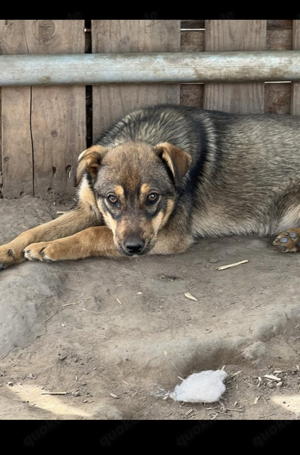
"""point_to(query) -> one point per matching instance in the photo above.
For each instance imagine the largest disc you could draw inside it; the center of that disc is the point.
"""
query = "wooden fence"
(45, 128)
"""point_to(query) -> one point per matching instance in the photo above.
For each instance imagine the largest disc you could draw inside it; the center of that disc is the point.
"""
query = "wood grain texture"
(194, 23)
(272, 24)
(192, 41)
(58, 113)
(1, 175)
(43, 128)
(15, 118)
(279, 40)
(278, 98)
(276, 24)
(114, 100)
(191, 95)
(295, 98)
(235, 35)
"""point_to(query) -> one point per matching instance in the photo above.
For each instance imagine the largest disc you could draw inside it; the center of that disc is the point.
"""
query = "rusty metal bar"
(185, 67)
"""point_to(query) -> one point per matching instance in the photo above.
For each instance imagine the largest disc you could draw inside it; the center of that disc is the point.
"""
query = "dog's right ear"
(89, 160)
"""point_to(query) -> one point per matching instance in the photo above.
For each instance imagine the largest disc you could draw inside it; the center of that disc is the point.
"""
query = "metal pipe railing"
(180, 67)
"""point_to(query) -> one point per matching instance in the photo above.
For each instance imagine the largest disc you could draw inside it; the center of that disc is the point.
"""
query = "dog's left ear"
(89, 161)
(177, 160)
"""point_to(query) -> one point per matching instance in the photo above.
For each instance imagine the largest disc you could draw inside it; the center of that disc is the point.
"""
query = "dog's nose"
(134, 245)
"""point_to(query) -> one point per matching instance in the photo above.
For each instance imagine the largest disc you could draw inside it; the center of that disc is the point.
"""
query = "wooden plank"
(16, 144)
(58, 112)
(190, 24)
(114, 100)
(235, 35)
(275, 24)
(0, 145)
(192, 41)
(42, 126)
(1, 174)
(278, 98)
(58, 131)
(279, 40)
(191, 95)
(1, 179)
(89, 88)
(295, 99)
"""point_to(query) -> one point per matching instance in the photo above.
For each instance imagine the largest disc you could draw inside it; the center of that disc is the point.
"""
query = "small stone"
(10, 383)
(76, 394)
(31, 376)
(271, 385)
(62, 356)
(213, 261)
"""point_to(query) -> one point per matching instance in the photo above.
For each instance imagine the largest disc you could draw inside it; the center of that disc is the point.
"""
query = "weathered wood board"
(235, 35)
(43, 128)
(111, 101)
(295, 99)
(16, 147)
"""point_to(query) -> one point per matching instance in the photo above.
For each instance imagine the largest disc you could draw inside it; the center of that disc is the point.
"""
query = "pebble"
(62, 356)
(271, 385)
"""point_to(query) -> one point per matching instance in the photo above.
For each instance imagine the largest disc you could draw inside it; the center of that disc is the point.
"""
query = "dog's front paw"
(288, 241)
(9, 256)
(43, 251)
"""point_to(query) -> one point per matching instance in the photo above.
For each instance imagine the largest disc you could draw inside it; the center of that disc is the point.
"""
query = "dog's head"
(136, 187)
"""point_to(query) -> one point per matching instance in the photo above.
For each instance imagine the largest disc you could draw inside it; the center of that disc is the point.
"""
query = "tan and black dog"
(164, 175)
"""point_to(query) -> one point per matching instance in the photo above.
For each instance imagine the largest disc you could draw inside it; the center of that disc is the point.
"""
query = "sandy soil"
(116, 336)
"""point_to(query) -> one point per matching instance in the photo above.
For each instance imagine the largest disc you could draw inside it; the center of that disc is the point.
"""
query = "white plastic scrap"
(204, 387)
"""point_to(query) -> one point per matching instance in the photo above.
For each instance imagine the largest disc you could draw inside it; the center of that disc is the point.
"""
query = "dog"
(164, 175)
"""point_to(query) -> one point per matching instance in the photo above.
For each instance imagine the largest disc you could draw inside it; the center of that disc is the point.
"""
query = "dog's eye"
(152, 198)
(112, 199)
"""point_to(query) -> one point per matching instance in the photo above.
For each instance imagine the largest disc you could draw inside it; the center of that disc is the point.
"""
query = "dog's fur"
(163, 175)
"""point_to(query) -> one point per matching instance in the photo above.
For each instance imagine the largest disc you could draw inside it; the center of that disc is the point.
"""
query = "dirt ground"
(114, 337)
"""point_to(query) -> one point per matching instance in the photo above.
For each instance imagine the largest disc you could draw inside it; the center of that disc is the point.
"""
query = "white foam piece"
(205, 387)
